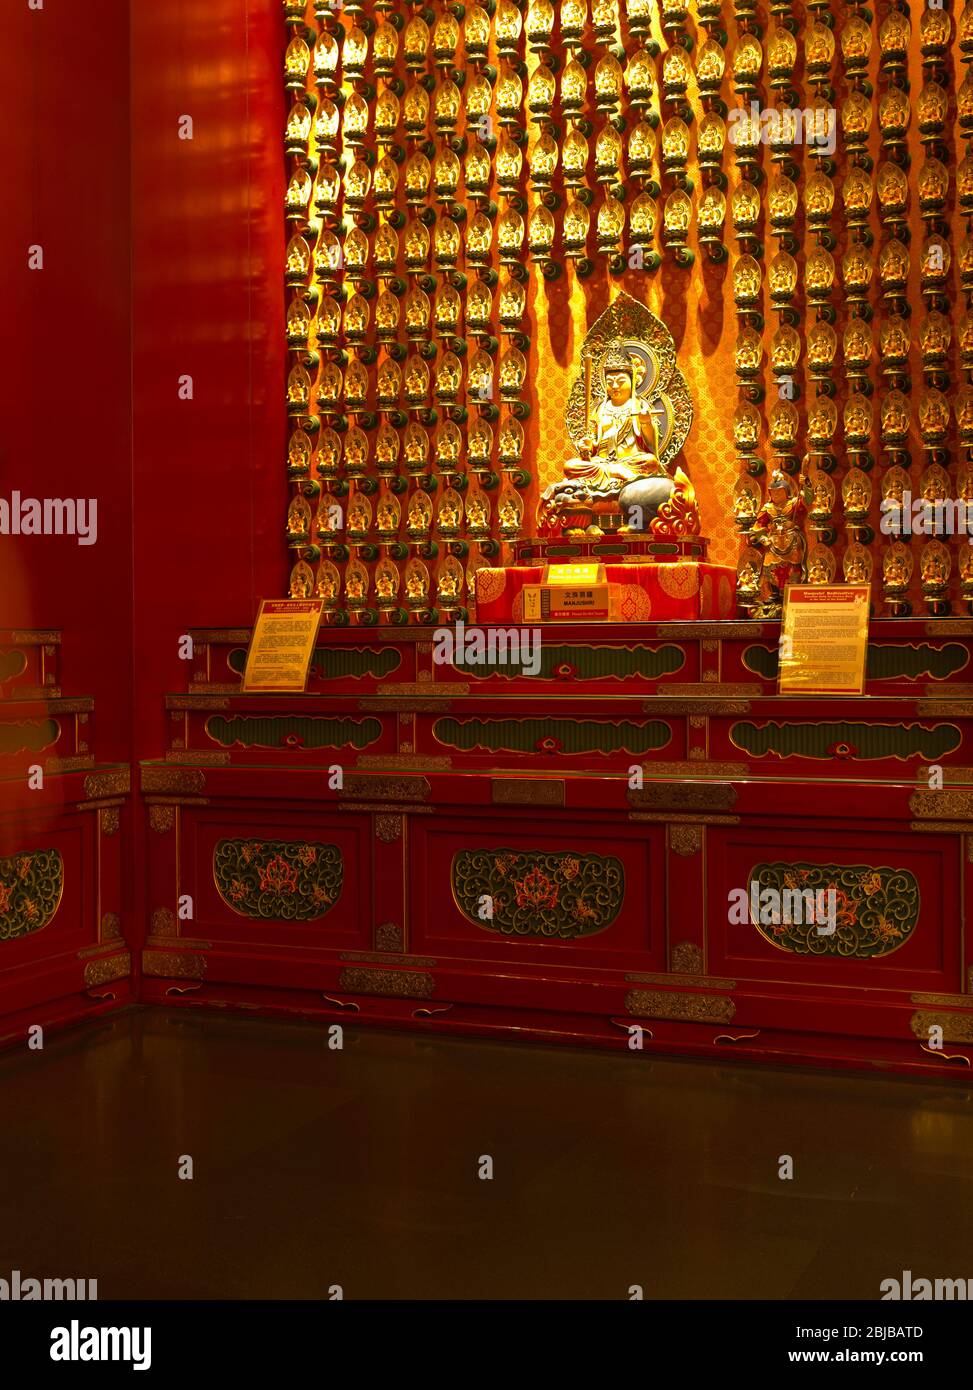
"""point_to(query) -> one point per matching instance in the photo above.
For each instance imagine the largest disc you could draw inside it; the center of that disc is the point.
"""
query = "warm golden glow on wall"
(788, 186)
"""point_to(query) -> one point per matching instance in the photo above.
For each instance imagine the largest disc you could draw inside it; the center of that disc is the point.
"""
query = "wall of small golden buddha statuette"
(445, 160)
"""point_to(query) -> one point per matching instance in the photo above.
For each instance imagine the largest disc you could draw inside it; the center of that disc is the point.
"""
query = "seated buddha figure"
(618, 469)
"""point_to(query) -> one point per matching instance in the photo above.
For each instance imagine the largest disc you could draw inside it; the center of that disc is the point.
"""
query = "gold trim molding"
(103, 784)
(527, 791)
(204, 757)
(685, 840)
(162, 819)
(173, 965)
(675, 978)
(396, 984)
(680, 1008)
(402, 762)
(106, 969)
(957, 1028)
(942, 805)
(684, 796)
(364, 788)
(388, 827)
(187, 781)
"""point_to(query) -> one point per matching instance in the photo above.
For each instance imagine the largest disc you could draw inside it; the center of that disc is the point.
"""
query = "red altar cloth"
(683, 590)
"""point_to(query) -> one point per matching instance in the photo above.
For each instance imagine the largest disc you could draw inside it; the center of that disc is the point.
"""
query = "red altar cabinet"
(473, 849)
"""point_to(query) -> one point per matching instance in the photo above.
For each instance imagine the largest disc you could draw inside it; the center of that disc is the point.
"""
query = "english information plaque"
(282, 644)
(823, 641)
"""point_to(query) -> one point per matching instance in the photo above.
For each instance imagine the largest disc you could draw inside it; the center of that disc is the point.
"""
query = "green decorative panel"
(587, 663)
(338, 663)
(546, 895)
(291, 731)
(12, 663)
(32, 736)
(882, 663)
(31, 885)
(552, 735)
(876, 909)
(843, 740)
(763, 660)
(278, 880)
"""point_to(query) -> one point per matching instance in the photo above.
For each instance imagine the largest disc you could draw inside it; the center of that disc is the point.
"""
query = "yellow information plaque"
(823, 639)
(282, 644)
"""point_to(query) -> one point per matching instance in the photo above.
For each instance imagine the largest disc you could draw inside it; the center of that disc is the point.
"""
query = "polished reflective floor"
(314, 1167)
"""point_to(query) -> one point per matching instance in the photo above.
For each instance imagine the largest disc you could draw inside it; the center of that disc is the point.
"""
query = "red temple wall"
(210, 492)
(65, 373)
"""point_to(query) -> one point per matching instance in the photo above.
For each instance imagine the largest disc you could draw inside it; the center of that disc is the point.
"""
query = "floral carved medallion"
(873, 910)
(278, 880)
(556, 896)
(30, 891)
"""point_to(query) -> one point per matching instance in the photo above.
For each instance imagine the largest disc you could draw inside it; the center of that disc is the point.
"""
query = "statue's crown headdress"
(616, 359)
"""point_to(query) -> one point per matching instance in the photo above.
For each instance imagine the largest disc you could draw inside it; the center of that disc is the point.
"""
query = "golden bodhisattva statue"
(628, 415)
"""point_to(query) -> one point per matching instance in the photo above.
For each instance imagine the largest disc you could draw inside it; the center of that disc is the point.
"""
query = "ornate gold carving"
(102, 784)
(693, 632)
(388, 828)
(33, 637)
(957, 1028)
(948, 1001)
(397, 984)
(417, 762)
(82, 705)
(742, 689)
(659, 705)
(687, 955)
(203, 702)
(69, 764)
(162, 818)
(163, 922)
(372, 705)
(378, 958)
(957, 627)
(384, 788)
(111, 926)
(205, 757)
(220, 636)
(106, 968)
(674, 977)
(188, 780)
(683, 1008)
(173, 965)
(388, 937)
(942, 805)
(940, 827)
(392, 688)
(684, 796)
(693, 767)
(394, 806)
(110, 821)
(527, 791)
(686, 840)
(951, 709)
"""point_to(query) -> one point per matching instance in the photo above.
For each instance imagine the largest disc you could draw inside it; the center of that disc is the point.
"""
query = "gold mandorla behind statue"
(628, 415)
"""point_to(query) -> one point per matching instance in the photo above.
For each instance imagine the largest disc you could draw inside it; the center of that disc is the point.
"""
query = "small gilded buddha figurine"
(618, 456)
